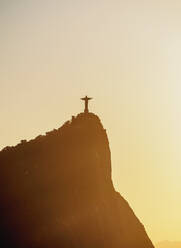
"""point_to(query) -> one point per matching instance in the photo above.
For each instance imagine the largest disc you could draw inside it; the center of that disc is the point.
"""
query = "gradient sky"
(125, 54)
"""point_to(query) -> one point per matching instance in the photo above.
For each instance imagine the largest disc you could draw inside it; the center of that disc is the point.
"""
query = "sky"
(124, 54)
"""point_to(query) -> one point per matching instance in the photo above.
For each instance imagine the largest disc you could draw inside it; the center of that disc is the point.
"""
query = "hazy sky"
(125, 54)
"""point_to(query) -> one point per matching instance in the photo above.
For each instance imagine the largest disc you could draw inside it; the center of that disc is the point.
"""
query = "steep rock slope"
(56, 191)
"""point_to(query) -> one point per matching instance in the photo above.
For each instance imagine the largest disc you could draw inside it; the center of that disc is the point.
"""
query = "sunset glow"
(124, 54)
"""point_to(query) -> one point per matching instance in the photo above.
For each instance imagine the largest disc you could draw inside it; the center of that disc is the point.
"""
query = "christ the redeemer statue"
(86, 99)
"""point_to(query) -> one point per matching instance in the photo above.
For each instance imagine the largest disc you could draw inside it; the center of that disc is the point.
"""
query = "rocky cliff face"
(56, 191)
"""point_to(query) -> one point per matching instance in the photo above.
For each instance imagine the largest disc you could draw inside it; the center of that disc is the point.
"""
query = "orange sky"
(125, 54)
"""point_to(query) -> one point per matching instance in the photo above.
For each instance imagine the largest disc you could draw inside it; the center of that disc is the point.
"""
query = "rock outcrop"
(56, 192)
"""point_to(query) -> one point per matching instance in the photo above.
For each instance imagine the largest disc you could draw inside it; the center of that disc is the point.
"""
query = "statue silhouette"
(86, 99)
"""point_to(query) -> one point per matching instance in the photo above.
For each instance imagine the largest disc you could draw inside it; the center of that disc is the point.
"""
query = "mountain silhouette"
(57, 192)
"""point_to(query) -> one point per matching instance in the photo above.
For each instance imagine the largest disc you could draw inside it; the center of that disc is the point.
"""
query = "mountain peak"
(60, 192)
(86, 119)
